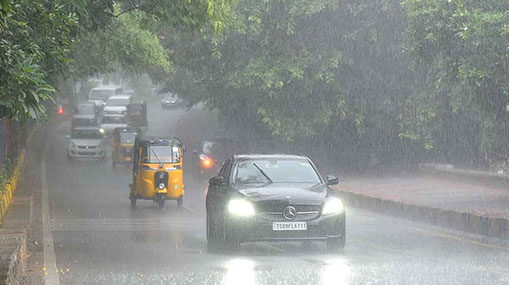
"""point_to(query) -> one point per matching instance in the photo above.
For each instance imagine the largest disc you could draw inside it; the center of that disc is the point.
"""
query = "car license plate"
(289, 226)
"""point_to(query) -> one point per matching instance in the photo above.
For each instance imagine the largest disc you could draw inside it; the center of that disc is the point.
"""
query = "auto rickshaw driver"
(157, 171)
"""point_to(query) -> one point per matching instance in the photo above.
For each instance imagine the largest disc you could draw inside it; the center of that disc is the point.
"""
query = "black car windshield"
(275, 171)
(127, 137)
(86, 134)
(101, 94)
(113, 120)
(117, 102)
(213, 149)
(160, 154)
(86, 109)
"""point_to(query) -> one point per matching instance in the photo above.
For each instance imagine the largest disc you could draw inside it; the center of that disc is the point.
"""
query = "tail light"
(60, 110)
(206, 162)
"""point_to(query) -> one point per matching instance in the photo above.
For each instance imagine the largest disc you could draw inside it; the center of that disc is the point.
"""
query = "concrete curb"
(7, 194)
(488, 226)
(13, 250)
(477, 177)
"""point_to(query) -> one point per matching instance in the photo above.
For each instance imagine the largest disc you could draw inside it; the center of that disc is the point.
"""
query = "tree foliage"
(41, 39)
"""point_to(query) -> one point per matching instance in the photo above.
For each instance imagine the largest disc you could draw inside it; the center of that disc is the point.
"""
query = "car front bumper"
(86, 153)
(257, 229)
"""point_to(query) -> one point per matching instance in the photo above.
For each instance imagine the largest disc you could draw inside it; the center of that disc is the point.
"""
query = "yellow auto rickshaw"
(157, 170)
(123, 145)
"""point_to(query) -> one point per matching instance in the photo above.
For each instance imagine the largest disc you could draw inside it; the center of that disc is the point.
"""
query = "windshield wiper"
(154, 153)
(262, 172)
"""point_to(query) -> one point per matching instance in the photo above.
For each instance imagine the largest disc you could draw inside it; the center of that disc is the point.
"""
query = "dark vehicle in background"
(210, 156)
(137, 114)
(273, 198)
(85, 115)
(123, 145)
(86, 142)
(171, 101)
(83, 121)
(87, 108)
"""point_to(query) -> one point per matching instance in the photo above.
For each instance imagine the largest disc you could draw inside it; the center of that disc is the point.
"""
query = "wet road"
(98, 239)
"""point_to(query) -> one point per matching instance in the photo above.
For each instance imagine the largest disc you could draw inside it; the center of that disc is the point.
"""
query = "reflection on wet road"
(98, 239)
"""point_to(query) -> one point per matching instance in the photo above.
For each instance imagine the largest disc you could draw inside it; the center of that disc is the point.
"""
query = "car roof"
(86, 129)
(86, 104)
(83, 116)
(113, 115)
(106, 87)
(269, 156)
(124, 96)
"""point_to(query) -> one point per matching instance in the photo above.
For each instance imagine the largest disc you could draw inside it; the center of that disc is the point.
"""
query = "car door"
(217, 195)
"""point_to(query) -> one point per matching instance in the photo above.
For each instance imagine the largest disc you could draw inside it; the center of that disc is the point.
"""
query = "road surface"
(98, 239)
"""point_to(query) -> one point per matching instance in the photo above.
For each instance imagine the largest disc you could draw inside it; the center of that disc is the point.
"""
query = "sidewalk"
(447, 202)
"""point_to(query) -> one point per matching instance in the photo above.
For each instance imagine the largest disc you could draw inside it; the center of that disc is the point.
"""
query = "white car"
(110, 122)
(87, 142)
(117, 104)
(100, 94)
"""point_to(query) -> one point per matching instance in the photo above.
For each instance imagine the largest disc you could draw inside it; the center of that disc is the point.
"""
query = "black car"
(273, 198)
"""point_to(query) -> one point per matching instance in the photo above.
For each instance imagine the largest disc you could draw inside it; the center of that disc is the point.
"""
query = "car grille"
(86, 153)
(274, 213)
(86, 147)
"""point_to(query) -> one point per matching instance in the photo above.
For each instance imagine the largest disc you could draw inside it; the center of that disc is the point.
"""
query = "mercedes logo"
(289, 213)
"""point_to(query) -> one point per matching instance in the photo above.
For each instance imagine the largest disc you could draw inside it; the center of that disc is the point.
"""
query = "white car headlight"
(333, 205)
(240, 207)
(72, 145)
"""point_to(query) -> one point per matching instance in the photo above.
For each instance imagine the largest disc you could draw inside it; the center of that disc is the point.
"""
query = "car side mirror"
(332, 180)
(216, 181)
(67, 136)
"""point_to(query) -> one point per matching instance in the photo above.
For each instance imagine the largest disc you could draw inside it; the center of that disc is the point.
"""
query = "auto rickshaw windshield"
(127, 137)
(160, 154)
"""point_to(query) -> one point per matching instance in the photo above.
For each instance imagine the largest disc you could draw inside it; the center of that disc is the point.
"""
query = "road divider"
(469, 222)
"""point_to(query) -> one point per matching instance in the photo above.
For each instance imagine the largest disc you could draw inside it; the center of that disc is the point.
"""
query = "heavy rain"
(254, 142)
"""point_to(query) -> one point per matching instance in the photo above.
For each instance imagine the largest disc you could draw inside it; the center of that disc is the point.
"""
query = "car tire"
(336, 245)
(214, 235)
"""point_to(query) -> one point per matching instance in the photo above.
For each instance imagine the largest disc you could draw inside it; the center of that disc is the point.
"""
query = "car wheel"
(336, 245)
(214, 235)
(180, 201)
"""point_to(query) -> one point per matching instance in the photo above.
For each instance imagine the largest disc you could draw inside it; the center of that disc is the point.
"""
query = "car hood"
(84, 116)
(115, 108)
(86, 142)
(113, 126)
(293, 193)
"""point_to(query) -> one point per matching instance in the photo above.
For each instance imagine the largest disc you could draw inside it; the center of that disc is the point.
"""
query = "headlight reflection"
(240, 271)
(336, 272)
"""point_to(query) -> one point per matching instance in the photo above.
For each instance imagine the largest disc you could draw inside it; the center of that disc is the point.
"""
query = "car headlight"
(73, 145)
(161, 186)
(333, 206)
(240, 207)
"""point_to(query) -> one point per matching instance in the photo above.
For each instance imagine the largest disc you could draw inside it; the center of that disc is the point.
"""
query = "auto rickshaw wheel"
(161, 202)
(180, 201)
(133, 202)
